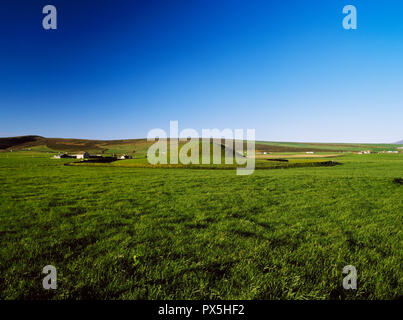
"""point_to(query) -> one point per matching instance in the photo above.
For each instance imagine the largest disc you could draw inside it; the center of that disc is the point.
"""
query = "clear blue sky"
(116, 69)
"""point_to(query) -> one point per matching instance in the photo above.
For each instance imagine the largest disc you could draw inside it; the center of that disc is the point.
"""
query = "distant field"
(260, 161)
(122, 232)
(324, 147)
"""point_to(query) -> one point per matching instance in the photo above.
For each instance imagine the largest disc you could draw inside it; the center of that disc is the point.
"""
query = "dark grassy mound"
(280, 160)
(96, 160)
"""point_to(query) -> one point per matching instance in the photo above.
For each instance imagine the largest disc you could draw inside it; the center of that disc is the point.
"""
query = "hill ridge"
(131, 146)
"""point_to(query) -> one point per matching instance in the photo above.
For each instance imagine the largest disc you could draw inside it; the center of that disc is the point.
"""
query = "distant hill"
(399, 142)
(38, 143)
(6, 143)
(72, 145)
(140, 146)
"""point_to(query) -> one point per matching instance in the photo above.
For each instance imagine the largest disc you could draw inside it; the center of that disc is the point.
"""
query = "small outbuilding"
(125, 156)
(82, 155)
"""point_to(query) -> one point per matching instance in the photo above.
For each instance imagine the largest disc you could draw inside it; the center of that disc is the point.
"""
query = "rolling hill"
(131, 146)
(11, 142)
(39, 143)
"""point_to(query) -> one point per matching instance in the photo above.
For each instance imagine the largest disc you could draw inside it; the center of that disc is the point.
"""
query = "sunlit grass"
(141, 233)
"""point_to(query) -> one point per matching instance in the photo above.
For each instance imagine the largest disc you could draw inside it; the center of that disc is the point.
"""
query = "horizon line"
(256, 140)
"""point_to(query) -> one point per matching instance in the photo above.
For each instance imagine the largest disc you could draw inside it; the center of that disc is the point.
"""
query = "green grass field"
(126, 232)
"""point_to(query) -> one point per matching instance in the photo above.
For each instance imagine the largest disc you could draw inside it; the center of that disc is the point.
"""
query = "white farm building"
(126, 157)
(83, 155)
